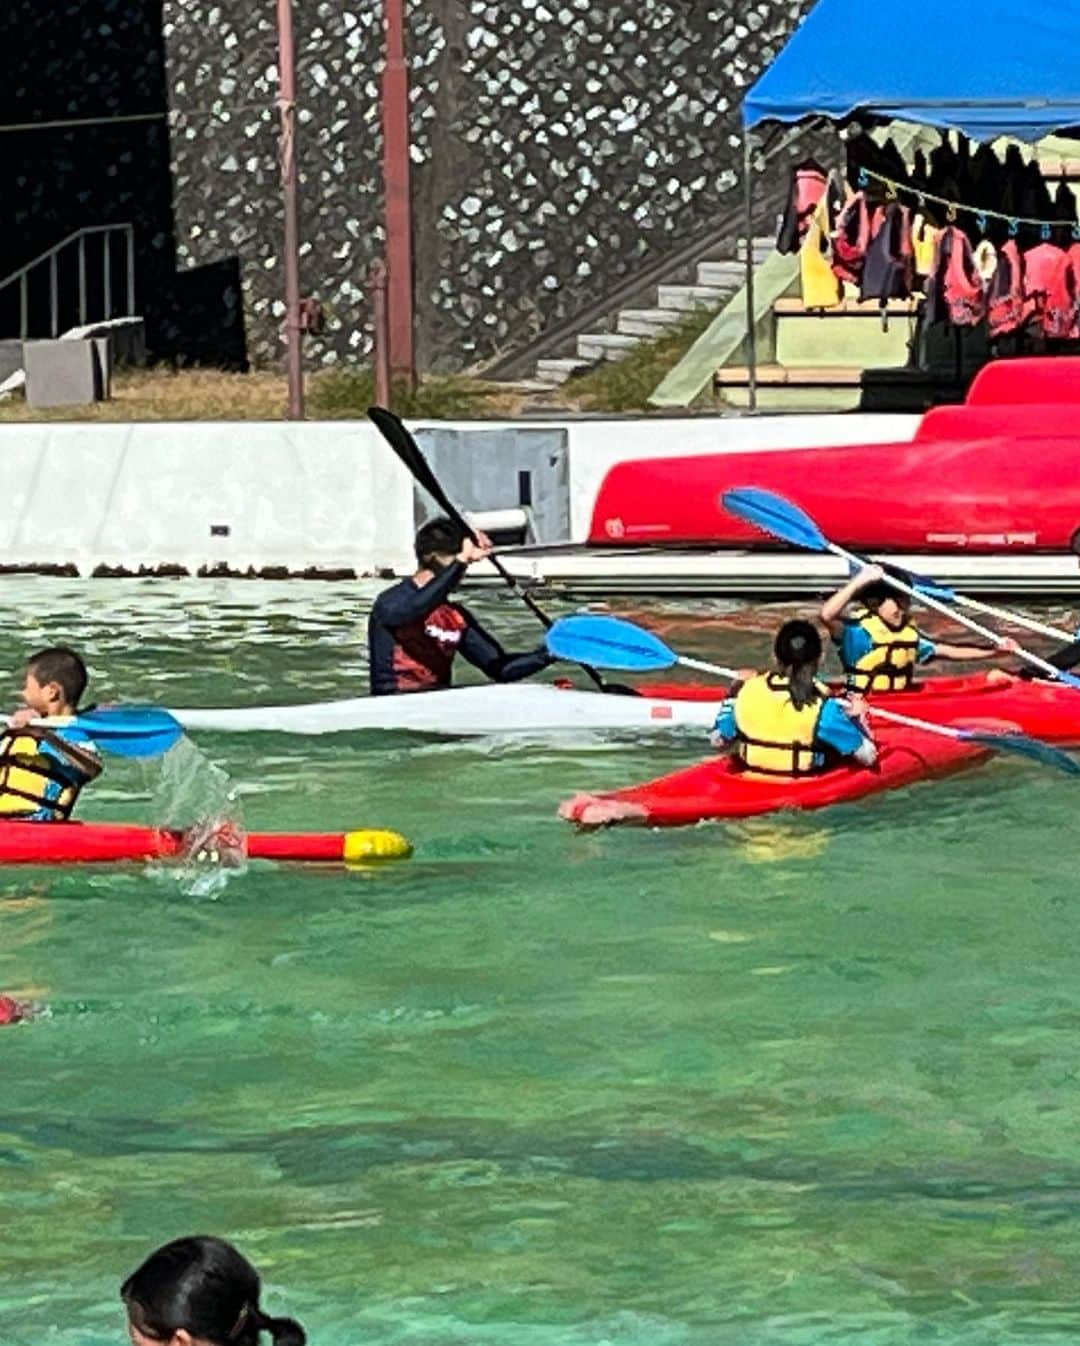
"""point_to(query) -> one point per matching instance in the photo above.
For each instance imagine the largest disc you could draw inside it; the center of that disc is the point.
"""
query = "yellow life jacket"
(890, 665)
(820, 287)
(39, 784)
(775, 738)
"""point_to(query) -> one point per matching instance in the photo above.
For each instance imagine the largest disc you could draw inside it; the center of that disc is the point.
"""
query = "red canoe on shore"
(1000, 473)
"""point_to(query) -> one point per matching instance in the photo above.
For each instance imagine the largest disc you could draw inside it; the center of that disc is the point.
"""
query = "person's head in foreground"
(200, 1291)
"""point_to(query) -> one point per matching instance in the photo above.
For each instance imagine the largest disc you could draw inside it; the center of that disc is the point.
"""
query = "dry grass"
(162, 394)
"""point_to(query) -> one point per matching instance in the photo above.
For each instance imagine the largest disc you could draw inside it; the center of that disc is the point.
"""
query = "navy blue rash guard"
(414, 632)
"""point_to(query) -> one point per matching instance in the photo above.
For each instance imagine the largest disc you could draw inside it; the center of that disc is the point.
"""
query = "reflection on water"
(793, 1081)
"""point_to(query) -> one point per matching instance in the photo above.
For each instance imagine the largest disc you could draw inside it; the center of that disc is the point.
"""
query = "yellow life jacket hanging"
(890, 665)
(820, 286)
(38, 783)
(775, 738)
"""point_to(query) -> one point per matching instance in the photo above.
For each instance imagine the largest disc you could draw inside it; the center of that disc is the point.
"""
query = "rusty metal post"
(380, 354)
(397, 194)
(286, 101)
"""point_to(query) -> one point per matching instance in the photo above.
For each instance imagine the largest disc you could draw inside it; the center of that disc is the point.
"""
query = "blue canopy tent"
(1016, 66)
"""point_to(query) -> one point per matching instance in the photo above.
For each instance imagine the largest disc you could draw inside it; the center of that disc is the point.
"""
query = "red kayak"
(1046, 710)
(23, 843)
(1000, 473)
(719, 789)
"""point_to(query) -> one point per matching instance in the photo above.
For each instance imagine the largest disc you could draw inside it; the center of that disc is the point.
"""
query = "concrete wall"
(327, 497)
(319, 497)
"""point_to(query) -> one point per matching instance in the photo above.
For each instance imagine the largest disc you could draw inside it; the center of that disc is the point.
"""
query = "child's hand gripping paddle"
(610, 642)
(124, 731)
(779, 517)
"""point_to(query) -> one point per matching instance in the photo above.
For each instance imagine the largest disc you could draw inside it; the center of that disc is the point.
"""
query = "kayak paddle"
(125, 731)
(944, 594)
(398, 437)
(610, 642)
(773, 514)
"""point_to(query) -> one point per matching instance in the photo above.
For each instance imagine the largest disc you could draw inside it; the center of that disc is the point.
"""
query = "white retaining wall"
(315, 496)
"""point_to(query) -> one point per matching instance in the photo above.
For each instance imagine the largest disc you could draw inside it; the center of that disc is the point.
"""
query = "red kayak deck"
(718, 789)
(25, 843)
(1046, 710)
(999, 473)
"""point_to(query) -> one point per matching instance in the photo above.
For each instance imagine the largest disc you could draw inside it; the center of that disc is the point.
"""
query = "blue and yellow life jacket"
(890, 665)
(41, 774)
(775, 738)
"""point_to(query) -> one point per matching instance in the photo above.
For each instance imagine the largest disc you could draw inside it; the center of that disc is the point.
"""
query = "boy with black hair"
(43, 767)
(415, 631)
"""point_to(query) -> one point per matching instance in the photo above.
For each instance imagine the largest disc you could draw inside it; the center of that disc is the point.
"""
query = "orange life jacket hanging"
(851, 238)
(962, 290)
(1050, 286)
(1006, 305)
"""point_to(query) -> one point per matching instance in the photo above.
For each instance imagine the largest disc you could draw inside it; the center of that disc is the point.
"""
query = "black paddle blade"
(393, 430)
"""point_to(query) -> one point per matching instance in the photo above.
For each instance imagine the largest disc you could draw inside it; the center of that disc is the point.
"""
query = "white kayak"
(516, 708)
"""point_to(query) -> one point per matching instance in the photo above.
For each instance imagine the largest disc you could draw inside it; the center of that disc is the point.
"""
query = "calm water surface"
(811, 1080)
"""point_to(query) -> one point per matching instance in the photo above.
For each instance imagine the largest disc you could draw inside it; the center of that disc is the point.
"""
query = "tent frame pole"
(751, 325)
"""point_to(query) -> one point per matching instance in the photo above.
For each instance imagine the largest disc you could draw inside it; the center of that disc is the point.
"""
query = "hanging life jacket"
(1051, 286)
(887, 271)
(1006, 305)
(809, 182)
(820, 287)
(962, 289)
(850, 240)
(41, 773)
(923, 245)
(889, 665)
(774, 737)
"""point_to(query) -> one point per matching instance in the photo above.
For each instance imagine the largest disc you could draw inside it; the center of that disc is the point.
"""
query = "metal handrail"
(22, 275)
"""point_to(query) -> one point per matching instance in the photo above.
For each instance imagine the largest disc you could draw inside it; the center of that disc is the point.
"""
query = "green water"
(812, 1080)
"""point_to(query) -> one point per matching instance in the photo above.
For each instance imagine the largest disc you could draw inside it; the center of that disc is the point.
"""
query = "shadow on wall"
(101, 65)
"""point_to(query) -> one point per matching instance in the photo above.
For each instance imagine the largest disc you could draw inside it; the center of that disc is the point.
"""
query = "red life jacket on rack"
(851, 238)
(1007, 307)
(809, 182)
(962, 289)
(1051, 285)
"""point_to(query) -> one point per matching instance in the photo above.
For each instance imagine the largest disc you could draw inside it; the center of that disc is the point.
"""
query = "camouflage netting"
(557, 145)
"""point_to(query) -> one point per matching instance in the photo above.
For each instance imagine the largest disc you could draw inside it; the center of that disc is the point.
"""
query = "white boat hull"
(521, 708)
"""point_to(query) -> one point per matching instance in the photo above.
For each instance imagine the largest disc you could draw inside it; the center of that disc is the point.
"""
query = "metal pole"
(54, 317)
(24, 306)
(381, 348)
(751, 323)
(130, 235)
(82, 280)
(397, 194)
(106, 268)
(286, 101)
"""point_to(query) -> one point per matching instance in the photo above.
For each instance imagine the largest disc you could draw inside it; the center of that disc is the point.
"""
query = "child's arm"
(971, 652)
(832, 610)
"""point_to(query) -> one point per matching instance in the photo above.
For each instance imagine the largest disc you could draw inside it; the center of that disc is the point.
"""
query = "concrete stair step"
(688, 297)
(556, 370)
(605, 345)
(647, 322)
(725, 274)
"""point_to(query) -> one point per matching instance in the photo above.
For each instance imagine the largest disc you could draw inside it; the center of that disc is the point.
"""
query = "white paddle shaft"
(928, 602)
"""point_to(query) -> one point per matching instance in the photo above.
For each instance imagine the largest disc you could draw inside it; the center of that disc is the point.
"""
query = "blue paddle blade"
(774, 515)
(608, 642)
(131, 731)
(1022, 746)
(922, 584)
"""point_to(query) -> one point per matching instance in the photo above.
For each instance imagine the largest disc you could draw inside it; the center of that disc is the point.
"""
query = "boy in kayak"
(415, 631)
(785, 723)
(878, 643)
(43, 768)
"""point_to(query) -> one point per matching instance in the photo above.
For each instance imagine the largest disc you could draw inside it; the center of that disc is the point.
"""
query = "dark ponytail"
(205, 1287)
(798, 652)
